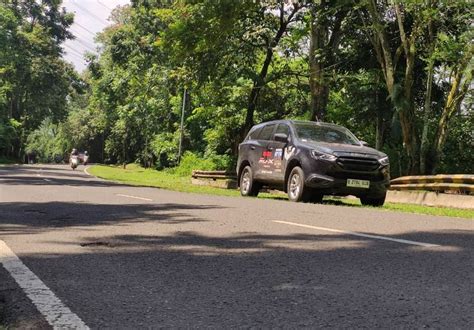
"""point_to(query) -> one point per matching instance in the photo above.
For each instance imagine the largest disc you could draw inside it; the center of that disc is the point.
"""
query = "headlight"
(323, 156)
(384, 161)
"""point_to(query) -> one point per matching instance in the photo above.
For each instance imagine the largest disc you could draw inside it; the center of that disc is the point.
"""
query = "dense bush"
(191, 161)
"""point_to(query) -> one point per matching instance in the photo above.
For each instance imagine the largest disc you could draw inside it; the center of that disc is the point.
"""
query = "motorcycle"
(74, 161)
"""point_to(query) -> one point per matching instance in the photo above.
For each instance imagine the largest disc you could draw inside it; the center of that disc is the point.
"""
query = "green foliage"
(239, 62)
(191, 161)
(46, 142)
(165, 149)
(458, 156)
(34, 80)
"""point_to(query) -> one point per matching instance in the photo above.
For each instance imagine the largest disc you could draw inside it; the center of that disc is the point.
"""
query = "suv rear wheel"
(373, 201)
(248, 187)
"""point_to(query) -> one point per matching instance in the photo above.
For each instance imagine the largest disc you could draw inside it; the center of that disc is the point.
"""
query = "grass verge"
(135, 175)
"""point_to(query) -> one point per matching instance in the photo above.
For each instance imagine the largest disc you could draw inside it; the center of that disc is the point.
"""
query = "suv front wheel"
(248, 187)
(297, 192)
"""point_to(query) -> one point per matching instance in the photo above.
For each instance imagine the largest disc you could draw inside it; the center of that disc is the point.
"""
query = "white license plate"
(358, 183)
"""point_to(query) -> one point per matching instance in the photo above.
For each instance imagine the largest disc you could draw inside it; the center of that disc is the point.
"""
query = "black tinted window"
(266, 133)
(325, 133)
(253, 134)
(282, 128)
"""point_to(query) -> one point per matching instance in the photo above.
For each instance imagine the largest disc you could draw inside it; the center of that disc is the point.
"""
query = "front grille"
(358, 164)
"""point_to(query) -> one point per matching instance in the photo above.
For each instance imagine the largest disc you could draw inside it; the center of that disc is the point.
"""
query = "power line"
(101, 20)
(85, 29)
(75, 56)
(84, 44)
(103, 5)
(85, 37)
(74, 50)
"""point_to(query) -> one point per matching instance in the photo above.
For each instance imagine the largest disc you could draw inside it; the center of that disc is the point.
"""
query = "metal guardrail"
(463, 183)
(222, 175)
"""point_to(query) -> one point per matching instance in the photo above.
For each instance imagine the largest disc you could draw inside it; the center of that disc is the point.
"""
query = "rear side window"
(253, 134)
(266, 133)
(283, 128)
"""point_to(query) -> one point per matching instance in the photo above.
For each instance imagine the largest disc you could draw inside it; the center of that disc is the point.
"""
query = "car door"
(278, 148)
(265, 161)
(248, 149)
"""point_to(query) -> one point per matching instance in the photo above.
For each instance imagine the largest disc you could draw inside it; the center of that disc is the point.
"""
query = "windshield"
(328, 134)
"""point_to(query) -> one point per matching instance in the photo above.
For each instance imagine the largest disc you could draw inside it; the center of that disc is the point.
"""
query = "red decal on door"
(267, 154)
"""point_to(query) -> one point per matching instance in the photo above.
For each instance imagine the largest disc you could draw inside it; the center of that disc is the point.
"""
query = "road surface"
(101, 255)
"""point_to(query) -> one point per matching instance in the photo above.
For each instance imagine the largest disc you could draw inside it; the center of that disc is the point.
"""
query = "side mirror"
(281, 137)
(365, 144)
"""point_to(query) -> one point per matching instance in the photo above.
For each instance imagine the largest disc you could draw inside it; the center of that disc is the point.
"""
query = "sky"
(90, 17)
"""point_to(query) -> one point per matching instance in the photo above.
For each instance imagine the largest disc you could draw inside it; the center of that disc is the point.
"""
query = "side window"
(253, 134)
(283, 128)
(266, 133)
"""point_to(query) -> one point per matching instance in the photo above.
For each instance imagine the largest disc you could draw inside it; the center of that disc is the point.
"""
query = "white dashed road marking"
(56, 313)
(403, 241)
(136, 197)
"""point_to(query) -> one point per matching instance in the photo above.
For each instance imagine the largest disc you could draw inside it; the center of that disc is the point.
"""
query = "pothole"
(98, 243)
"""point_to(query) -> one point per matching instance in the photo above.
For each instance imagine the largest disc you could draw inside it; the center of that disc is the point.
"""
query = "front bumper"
(329, 185)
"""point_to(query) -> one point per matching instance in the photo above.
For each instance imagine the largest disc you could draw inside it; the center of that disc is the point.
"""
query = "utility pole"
(181, 127)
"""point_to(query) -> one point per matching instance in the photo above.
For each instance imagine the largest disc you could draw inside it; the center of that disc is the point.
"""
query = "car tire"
(373, 201)
(248, 186)
(297, 192)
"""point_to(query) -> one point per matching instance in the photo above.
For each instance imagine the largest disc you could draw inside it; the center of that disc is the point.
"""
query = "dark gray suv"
(309, 160)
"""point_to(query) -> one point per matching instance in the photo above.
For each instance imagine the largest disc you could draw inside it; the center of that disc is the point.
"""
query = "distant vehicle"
(84, 157)
(309, 160)
(74, 161)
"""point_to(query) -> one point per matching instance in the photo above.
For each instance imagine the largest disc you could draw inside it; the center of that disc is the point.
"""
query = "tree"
(413, 22)
(35, 80)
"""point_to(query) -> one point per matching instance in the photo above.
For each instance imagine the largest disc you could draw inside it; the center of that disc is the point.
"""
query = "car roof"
(292, 122)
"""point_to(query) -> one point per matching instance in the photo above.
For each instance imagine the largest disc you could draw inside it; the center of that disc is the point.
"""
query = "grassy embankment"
(135, 175)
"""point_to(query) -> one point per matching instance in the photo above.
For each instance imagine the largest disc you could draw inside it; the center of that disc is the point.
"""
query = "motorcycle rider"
(74, 155)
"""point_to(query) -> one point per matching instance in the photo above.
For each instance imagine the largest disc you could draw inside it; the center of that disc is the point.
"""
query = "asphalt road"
(131, 257)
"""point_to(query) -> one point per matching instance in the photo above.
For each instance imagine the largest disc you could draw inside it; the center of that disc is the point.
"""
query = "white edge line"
(48, 304)
(398, 240)
(87, 172)
(136, 197)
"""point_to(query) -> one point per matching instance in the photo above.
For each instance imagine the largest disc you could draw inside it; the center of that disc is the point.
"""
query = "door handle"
(252, 147)
(270, 148)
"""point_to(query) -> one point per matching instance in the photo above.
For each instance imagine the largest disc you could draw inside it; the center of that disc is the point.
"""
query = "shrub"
(191, 161)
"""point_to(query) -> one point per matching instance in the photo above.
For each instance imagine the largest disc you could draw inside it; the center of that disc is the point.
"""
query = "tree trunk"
(259, 82)
(424, 148)
(426, 116)
(318, 88)
(459, 87)
(323, 44)
(380, 126)
(403, 102)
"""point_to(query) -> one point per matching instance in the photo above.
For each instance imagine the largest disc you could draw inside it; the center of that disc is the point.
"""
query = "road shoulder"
(16, 310)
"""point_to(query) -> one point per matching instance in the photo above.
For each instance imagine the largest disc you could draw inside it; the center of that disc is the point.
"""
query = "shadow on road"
(182, 279)
(29, 218)
(254, 280)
